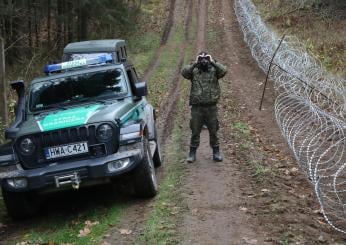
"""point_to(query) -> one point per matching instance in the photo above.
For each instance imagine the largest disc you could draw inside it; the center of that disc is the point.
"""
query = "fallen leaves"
(87, 228)
(104, 243)
(125, 231)
(318, 211)
(84, 232)
(23, 243)
(175, 210)
(194, 211)
(249, 240)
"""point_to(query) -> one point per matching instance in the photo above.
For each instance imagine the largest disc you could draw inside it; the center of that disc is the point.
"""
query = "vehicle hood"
(77, 116)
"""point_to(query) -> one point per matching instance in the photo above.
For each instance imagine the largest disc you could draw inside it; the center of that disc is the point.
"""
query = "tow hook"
(67, 179)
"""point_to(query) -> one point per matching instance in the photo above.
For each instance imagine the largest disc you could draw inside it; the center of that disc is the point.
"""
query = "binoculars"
(201, 57)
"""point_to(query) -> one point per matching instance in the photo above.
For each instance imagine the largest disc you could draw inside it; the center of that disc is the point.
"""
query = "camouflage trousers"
(204, 115)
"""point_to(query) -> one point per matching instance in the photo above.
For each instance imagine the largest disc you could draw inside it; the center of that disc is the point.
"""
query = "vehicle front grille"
(85, 133)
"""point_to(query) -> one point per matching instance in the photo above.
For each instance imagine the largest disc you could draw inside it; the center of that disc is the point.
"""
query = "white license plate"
(66, 150)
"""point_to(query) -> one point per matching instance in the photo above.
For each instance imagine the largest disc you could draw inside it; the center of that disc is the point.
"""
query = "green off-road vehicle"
(86, 123)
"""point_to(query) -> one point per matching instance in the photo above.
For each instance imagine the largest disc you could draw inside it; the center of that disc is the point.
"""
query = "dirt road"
(213, 189)
(220, 196)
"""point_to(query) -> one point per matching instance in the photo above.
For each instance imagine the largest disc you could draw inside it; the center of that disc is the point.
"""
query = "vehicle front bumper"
(89, 171)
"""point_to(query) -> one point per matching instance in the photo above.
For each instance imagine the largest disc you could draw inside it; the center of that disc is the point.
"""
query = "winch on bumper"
(73, 174)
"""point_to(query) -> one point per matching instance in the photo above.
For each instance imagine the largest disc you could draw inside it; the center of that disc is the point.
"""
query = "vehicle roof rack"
(81, 63)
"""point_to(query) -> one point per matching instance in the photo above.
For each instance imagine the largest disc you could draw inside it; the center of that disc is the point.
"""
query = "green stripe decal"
(132, 114)
(68, 118)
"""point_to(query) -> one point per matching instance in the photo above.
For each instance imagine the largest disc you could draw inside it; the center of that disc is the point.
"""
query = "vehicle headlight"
(130, 133)
(27, 146)
(104, 132)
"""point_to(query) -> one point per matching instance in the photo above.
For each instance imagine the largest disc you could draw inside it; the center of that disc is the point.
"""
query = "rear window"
(70, 57)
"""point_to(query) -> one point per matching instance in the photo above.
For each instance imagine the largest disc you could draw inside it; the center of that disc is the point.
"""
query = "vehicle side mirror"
(141, 89)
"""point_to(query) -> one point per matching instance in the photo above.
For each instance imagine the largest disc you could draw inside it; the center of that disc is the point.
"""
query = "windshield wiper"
(92, 100)
(61, 106)
(49, 107)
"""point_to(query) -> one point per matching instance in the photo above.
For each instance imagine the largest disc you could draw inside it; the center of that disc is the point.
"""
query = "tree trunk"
(29, 23)
(83, 23)
(58, 18)
(3, 85)
(70, 23)
(48, 23)
(37, 38)
(65, 26)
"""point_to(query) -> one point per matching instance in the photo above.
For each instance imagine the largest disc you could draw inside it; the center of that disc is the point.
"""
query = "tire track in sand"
(155, 60)
(169, 106)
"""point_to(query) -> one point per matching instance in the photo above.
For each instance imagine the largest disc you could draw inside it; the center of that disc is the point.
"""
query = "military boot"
(192, 155)
(217, 156)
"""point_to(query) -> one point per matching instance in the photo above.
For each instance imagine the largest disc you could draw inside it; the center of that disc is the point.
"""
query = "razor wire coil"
(310, 110)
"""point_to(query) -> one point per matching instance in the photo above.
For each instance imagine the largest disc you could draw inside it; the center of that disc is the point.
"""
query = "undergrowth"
(321, 27)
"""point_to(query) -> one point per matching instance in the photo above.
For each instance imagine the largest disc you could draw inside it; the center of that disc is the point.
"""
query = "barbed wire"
(310, 110)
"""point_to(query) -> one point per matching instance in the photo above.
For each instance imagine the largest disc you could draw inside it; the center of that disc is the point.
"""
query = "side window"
(122, 52)
(118, 56)
(125, 51)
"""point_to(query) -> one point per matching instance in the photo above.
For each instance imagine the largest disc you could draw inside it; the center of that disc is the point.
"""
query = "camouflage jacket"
(205, 88)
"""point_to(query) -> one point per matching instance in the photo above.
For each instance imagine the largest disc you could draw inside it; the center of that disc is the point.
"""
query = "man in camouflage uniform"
(204, 96)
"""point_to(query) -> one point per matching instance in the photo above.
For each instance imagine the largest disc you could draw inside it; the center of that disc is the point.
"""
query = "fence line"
(310, 110)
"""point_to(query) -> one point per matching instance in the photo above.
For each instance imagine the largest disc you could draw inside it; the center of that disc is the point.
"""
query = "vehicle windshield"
(87, 87)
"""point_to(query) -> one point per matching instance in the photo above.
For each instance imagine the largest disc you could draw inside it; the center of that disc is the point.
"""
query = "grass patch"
(66, 228)
(242, 129)
(161, 224)
(246, 151)
(159, 81)
(260, 170)
(142, 49)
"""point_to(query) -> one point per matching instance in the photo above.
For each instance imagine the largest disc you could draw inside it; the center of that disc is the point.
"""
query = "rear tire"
(20, 205)
(145, 183)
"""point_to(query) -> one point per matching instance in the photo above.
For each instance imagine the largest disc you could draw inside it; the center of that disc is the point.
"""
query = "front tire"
(145, 178)
(20, 205)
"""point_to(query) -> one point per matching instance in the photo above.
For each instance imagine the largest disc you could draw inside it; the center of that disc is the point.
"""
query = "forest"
(29, 25)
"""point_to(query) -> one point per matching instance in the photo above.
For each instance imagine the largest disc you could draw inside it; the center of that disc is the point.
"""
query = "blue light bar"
(78, 63)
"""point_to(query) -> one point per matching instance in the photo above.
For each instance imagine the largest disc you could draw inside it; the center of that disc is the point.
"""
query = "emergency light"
(77, 63)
